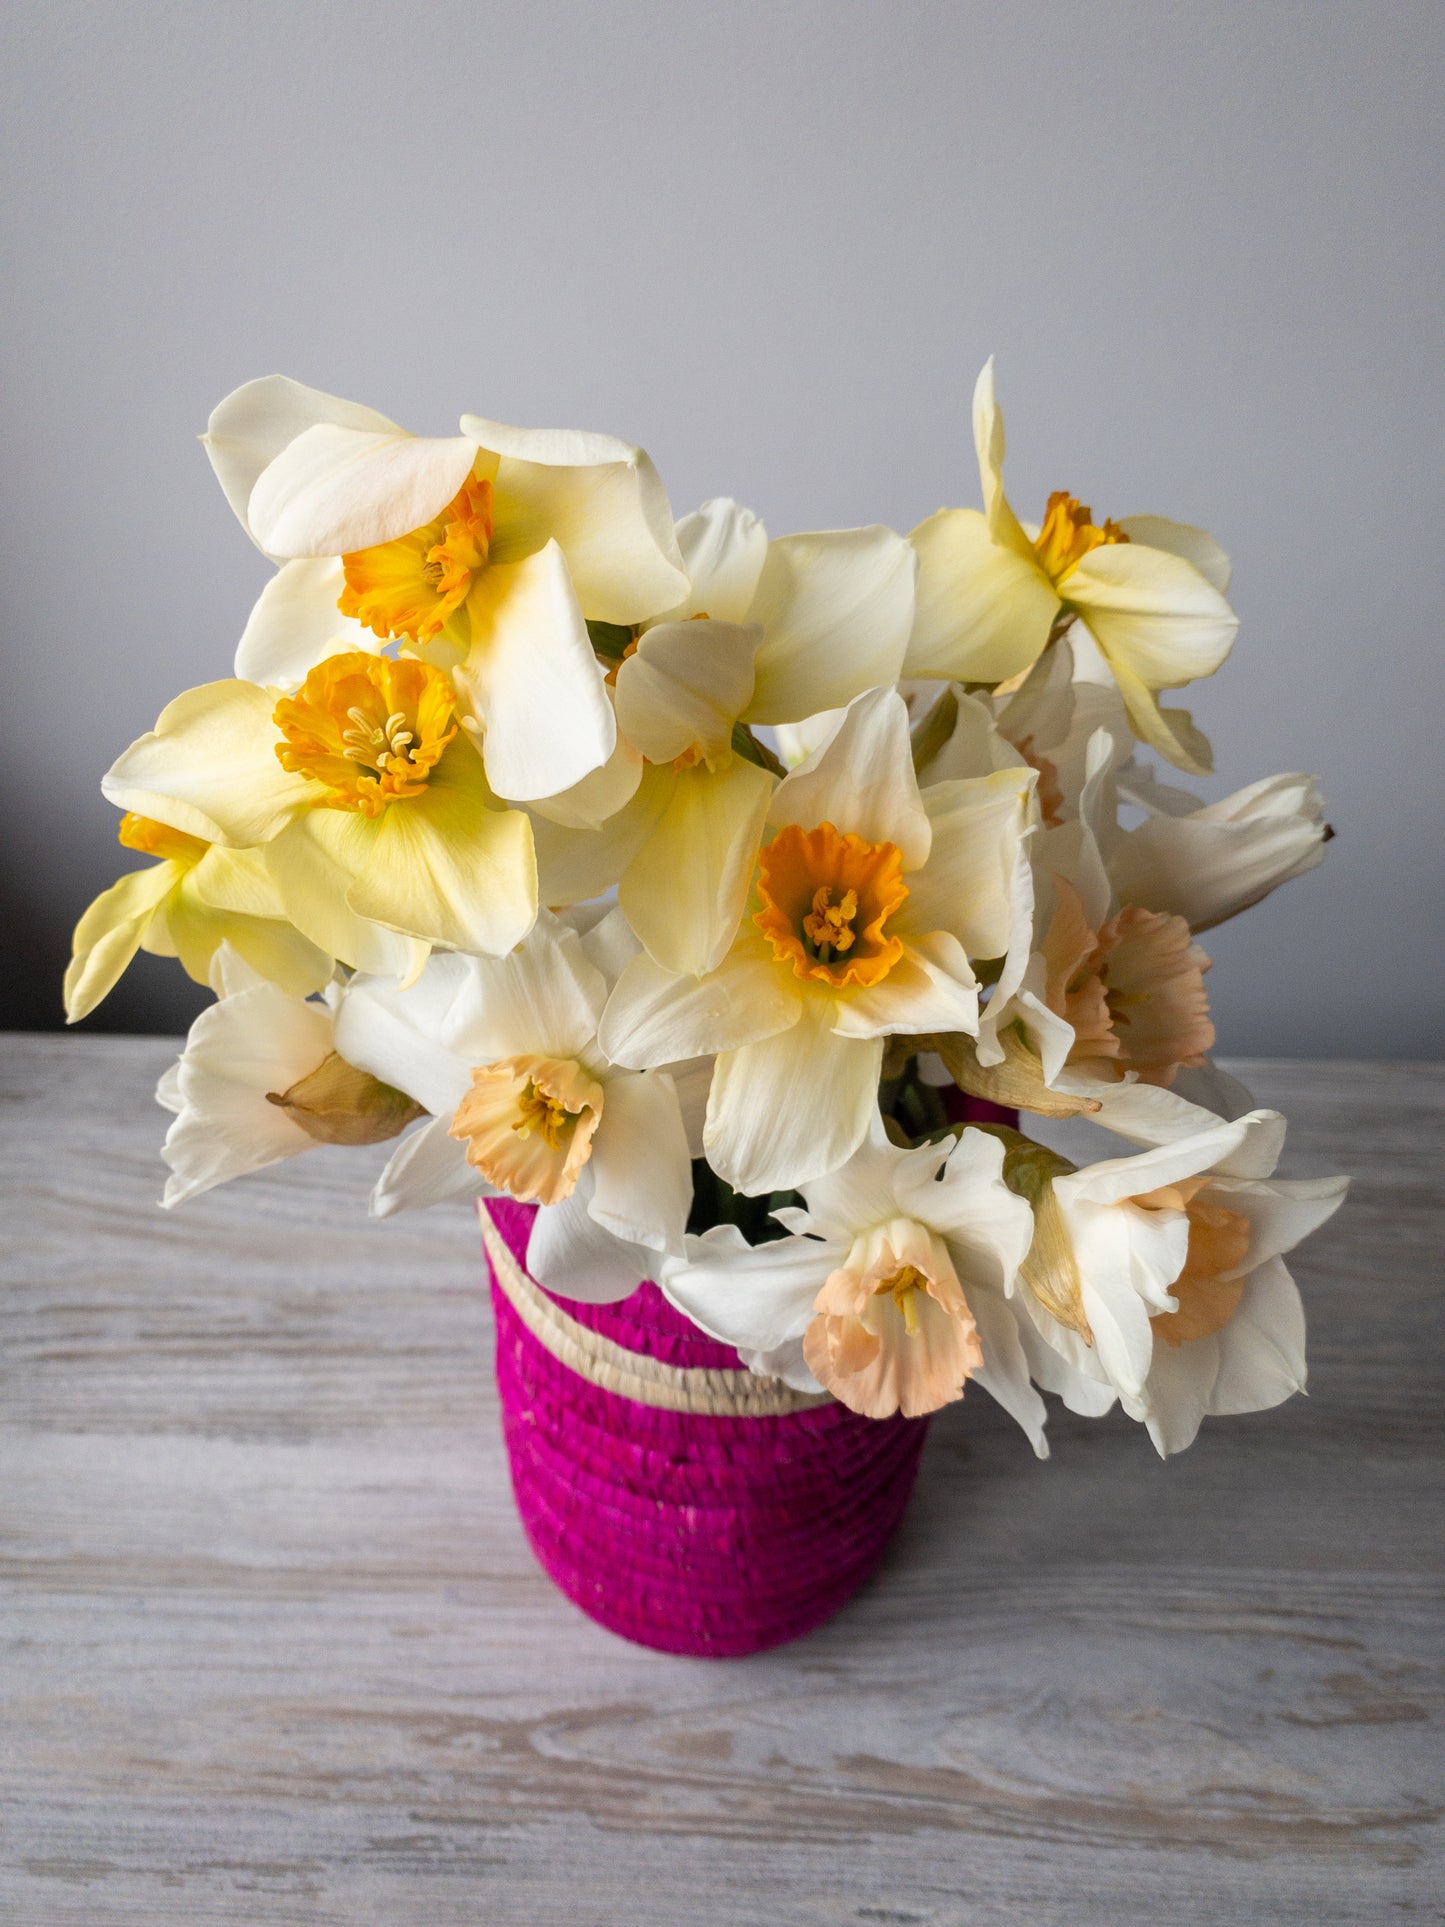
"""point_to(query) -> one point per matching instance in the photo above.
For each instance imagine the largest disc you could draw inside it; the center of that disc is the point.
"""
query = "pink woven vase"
(709, 1535)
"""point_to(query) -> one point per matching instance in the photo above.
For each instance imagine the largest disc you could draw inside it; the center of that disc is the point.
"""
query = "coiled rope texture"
(671, 1494)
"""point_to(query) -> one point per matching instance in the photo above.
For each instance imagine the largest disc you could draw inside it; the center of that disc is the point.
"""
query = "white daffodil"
(260, 1080)
(1158, 1278)
(868, 902)
(197, 897)
(992, 591)
(770, 631)
(378, 826)
(1205, 862)
(486, 551)
(503, 1053)
(892, 1289)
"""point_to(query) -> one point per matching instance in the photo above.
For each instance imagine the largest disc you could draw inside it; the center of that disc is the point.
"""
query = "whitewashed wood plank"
(274, 1649)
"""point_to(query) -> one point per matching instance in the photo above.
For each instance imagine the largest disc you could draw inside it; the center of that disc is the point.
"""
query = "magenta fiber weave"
(709, 1536)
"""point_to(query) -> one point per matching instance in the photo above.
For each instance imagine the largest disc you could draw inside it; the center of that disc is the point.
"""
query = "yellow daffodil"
(487, 552)
(992, 591)
(769, 632)
(379, 830)
(869, 900)
(197, 897)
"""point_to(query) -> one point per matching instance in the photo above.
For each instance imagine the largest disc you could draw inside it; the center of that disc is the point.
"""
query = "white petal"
(1262, 1348)
(687, 684)
(532, 679)
(1215, 862)
(237, 1052)
(792, 1106)
(611, 519)
(654, 1018)
(1197, 546)
(1115, 1179)
(296, 624)
(685, 890)
(754, 1297)
(428, 1167)
(574, 862)
(550, 447)
(862, 782)
(968, 885)
(723, 547)
(642, 1175)
(984, 611)
(836, 610)
(930, 988)
(399, 1035)
(988, 1229)
(335, 490)
(544, 997)
(608, 941)
(209, 767)
(592, 802)
(1281, 1211)
(1005, 1373)
(866, 1190)
(249, 429)
(572, 1254)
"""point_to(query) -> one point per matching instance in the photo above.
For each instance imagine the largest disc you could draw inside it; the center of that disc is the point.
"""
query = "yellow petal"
(984, 611)
(449, 867)
(110, 932)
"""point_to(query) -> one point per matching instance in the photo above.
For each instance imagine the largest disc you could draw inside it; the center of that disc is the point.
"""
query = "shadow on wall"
(154, 997)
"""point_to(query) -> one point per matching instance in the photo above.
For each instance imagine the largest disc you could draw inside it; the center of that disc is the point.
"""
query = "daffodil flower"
(992, 591)
(370, 803)
(487, 552)
(186, 905)
(770, 632)
(504, 1055)
(891, 1291)
(260, 1080)
(869, 899)
(1158, 1279)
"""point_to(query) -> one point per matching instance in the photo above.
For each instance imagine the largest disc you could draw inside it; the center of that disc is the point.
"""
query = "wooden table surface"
(275, 1651)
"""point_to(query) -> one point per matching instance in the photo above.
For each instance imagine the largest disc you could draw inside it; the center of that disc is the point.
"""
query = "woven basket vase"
(674, 1496)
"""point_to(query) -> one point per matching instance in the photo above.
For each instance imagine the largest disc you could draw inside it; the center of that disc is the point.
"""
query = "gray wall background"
(773, 243)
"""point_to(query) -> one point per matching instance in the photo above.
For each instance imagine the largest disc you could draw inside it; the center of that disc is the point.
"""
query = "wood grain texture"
(274, 1650)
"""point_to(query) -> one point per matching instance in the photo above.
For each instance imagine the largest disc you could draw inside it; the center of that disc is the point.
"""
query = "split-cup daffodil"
(486, 552)
(369, 802)
(868, 900)
(769, 632)
(992, 591)
(194, 898)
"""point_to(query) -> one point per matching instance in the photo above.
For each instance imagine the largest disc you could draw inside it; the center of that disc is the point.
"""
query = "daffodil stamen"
(370, 729)
(904, 1287)
(825, 903)
(830, 927)
(1068, 534)
(547, 1116)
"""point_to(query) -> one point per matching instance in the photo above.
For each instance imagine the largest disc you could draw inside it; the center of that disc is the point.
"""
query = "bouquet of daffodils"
(756, 907)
